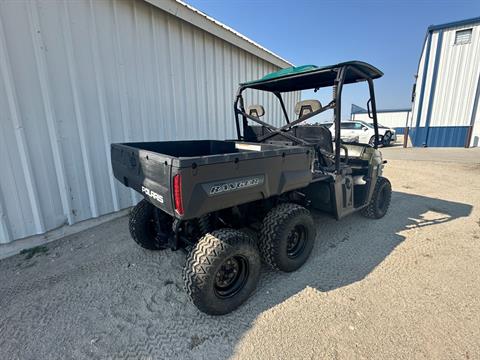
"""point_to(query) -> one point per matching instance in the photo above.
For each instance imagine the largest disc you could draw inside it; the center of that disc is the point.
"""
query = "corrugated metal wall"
(446, 88)
(79, 75)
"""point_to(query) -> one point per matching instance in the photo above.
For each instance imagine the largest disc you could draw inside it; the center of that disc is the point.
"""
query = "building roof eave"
(201, 20)
(452, 24)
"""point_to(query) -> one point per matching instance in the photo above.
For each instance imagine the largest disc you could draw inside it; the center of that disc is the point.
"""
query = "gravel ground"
(406, 286)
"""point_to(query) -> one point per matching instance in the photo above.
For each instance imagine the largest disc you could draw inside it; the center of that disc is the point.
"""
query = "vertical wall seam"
(215, 80)
(174, 134)
(20, 137)
(205, 95)
(433, 86)
(121, 83)
(100, 84)
(158, 98)
(160, 92)
(77, 104)
(40, 61)
(5, 231)
(183, 81)
(138, 70)
(9, 232)
(475, 103)
(195, 81)
(422, 88)
(122, 88)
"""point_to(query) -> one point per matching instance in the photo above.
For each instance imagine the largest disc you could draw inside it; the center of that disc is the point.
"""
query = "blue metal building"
(447, 90)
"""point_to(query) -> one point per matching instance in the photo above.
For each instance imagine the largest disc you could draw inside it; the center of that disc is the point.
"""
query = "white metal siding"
(393, 119)
(457, 79)
(79, 75)
(418, 86)
(428, 79)
(458, 72)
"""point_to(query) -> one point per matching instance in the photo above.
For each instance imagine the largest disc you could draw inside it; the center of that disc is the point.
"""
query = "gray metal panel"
(76, 76)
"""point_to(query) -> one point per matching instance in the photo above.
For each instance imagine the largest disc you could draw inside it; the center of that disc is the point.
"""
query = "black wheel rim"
(296, 241)
(382, 200)
(231, 276)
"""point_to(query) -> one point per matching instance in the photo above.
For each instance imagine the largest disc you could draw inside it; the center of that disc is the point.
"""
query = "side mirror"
(364, 128)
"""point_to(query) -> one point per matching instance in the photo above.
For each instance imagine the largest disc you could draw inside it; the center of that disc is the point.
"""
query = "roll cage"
(305, 78)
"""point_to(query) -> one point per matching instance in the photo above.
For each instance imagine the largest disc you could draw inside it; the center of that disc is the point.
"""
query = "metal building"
(397, 119)
(447, 90)
(79, 75)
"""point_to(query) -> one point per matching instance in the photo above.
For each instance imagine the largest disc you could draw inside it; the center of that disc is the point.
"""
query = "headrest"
(307, 106)
(256, 110)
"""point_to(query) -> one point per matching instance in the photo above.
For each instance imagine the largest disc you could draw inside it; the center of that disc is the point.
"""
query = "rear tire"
(287, 237)
(382, 195)
(148, 231)
(221, 271)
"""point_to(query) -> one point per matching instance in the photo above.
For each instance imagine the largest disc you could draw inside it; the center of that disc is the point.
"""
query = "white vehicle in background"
(364, 132)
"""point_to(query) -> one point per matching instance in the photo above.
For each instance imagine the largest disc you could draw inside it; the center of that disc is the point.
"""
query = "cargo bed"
(209, 174)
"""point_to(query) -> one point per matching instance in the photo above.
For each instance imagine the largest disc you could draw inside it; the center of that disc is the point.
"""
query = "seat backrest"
(307, 106)
(316, 134)
(254, 132)
(256, 111)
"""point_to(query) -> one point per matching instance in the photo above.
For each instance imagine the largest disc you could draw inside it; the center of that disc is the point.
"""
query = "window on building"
(463, 36)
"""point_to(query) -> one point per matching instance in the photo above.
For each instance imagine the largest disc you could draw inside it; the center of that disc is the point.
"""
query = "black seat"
(316, 134)
(254, 132)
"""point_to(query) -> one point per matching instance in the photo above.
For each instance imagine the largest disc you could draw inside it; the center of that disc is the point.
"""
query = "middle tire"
(287, 237)
(221, 271)
(149, 227)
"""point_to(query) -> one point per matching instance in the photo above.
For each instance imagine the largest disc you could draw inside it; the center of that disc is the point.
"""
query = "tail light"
(177, 194)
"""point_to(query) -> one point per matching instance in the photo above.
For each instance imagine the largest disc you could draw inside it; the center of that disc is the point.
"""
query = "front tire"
(148, 229)
(387, 138)
(372, 141)
(221, 271)
(287, 237)
(382, 195)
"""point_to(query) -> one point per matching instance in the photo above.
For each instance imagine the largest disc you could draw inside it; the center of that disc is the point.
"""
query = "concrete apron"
(14, 247)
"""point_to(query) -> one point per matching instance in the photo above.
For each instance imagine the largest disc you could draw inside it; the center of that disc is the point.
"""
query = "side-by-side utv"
(231, 204)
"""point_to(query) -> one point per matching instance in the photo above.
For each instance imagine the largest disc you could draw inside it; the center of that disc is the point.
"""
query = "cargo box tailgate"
(146, 172)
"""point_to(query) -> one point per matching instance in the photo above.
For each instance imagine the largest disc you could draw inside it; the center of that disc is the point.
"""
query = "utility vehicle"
(232, 204)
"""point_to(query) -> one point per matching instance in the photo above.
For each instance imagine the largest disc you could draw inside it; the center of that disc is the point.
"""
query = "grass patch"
(30, 253)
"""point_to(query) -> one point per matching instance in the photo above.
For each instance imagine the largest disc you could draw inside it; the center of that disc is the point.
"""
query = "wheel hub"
(231, 276)
(227, 273)
(296, 241)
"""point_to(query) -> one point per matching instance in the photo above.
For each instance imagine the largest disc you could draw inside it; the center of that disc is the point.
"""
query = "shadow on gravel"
(131, 303)
(348, 250)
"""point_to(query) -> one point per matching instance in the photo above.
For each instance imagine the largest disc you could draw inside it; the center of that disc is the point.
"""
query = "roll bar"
(335, 104)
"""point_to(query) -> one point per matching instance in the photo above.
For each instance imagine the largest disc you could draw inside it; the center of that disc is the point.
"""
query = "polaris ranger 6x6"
(232, 204)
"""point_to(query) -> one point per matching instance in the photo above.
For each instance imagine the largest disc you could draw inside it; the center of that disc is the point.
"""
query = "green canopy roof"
(310, 77)
(288, 71)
